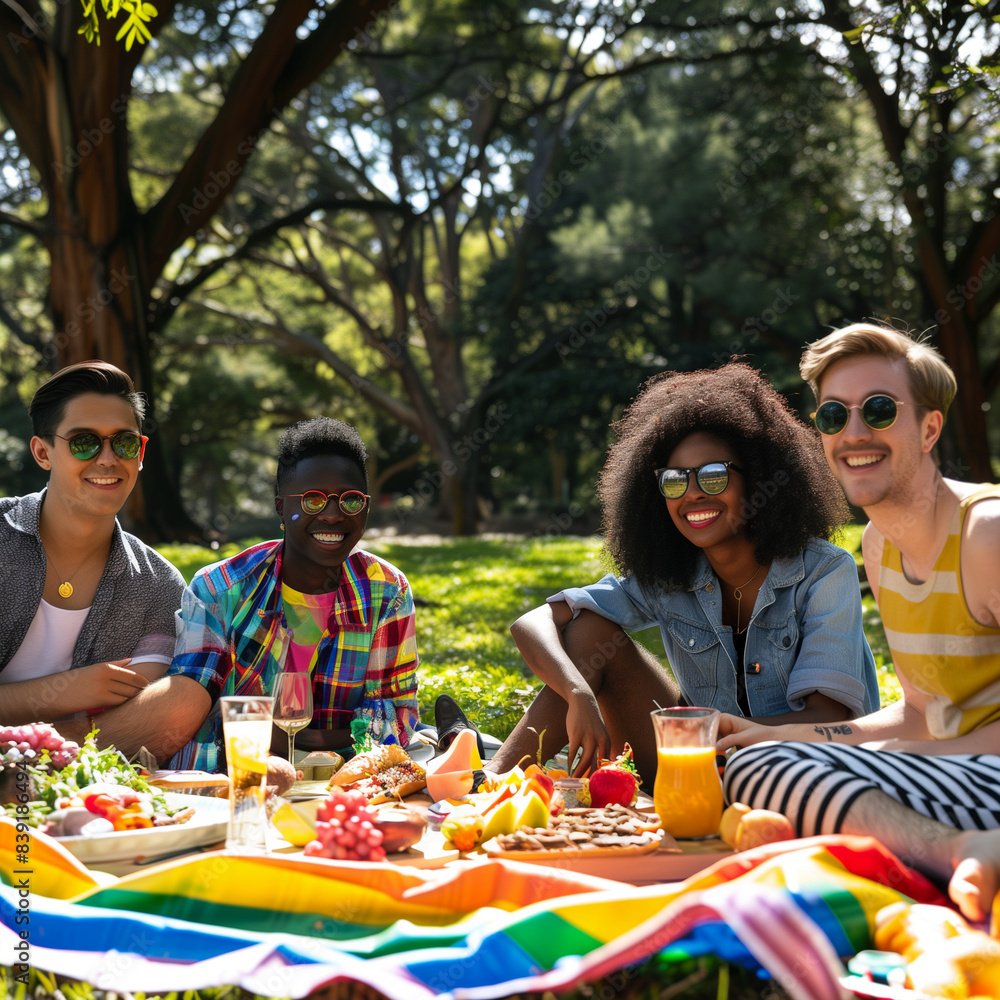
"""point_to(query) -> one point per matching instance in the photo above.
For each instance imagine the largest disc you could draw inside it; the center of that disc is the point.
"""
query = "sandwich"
(383, 774)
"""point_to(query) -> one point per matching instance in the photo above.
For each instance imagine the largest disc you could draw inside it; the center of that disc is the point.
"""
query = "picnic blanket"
(286, 925)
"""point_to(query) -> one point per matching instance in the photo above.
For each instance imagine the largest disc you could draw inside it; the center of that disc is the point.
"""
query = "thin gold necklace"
(738, 594)
(65, 588)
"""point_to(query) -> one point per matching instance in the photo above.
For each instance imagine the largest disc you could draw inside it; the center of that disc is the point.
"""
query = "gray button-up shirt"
(133, 609)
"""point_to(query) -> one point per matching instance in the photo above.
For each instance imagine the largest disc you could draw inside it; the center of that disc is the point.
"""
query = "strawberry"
(615, 782)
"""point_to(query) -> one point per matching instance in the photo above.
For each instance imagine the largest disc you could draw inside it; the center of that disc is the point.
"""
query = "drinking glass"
(246, 727)
(293, 705)
(687, 794)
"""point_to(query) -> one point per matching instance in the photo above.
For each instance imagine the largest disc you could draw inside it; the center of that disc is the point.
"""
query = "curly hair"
(791, 495)
(319, 436)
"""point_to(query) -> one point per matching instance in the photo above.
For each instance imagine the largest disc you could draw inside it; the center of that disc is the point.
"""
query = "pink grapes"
(345, 829)
(19, 743)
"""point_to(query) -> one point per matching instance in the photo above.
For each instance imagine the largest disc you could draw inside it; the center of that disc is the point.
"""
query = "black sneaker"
(450, 720)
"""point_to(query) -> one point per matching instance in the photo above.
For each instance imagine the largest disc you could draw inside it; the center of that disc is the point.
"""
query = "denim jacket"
(805, 634)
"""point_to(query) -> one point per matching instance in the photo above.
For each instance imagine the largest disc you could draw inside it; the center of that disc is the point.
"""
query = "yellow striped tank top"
(936, 643)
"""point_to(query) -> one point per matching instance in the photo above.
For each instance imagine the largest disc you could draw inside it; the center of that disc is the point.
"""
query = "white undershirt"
(48, 646)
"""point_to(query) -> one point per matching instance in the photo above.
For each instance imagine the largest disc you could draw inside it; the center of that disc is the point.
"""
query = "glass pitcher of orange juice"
(687, 794)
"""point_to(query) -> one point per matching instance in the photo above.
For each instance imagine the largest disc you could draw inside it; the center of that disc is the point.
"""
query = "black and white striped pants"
(814, 784)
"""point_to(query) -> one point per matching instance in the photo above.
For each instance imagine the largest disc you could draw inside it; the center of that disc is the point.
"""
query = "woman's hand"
(587, 732)
(736, 732)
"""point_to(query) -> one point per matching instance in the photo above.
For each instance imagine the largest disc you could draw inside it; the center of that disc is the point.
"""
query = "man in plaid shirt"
(311, 601)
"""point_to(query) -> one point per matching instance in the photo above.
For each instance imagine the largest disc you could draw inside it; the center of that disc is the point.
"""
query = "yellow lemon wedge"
(244, 755)
(293, 825)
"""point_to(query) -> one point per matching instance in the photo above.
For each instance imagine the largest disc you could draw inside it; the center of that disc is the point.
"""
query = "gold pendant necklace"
(738, 594)
(65, 589)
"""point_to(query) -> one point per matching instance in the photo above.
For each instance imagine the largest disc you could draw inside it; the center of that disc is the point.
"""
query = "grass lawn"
(469, 590)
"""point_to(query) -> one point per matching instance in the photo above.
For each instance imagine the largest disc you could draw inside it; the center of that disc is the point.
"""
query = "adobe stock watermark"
(219, 180)
(34, 24)
(596, 318)
(763, 491)
(87, 311)
(583, 156)
(755, 158)
(461, 451)
(754, 326)
(91, 138)
(364, 36)
(960, 295)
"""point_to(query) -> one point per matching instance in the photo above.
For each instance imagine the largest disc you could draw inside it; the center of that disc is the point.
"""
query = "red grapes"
(345, 829)
(19, 743)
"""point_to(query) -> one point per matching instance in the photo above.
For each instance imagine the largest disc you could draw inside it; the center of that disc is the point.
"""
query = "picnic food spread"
(384, 773)
(75, 790)
(515, 815)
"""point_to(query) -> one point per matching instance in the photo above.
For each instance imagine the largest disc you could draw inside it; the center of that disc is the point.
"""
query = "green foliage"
(135, 27)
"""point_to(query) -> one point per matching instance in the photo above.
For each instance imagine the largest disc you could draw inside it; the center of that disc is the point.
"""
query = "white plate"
(206, 826)
(419, 751)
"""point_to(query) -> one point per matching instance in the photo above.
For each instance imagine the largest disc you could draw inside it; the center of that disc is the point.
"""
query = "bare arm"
(86, 689)
(539, 637)
(162, 718)
(872, 543)
(897, 720)
(818, 708)
(986, 739)
(980, 566)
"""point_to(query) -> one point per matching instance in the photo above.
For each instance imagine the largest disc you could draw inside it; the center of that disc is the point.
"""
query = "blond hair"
(932, 381)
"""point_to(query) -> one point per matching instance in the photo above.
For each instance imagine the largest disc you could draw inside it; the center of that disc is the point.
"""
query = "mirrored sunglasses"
(86, 445)
(712, 478)
(878, 412)
(315, 501)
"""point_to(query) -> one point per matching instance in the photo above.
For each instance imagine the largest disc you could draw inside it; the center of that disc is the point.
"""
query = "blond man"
(914, 771)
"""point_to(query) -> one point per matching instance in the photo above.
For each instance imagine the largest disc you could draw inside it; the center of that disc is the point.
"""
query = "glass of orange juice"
(246, 728)
(687, 794)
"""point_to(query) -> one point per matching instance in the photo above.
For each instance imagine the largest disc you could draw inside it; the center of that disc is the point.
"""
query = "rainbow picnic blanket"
(288, 925)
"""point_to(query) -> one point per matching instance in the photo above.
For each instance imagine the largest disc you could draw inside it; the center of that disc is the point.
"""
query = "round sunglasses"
(713, 478)
(879, 412)
(87, 444)
(315, 501)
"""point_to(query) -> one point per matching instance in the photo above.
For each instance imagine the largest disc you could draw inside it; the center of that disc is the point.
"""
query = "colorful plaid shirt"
(232, 633)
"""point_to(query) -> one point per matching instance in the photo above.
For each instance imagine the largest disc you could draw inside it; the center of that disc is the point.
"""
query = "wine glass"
(293, 705)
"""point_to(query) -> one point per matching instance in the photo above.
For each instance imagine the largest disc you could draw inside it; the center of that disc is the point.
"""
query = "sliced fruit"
(462, 755)
(463, 827)
(502, 819)
(294, 825)
(531, 811)
(450, 785)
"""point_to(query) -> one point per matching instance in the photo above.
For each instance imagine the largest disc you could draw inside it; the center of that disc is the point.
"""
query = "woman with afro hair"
(718, 510)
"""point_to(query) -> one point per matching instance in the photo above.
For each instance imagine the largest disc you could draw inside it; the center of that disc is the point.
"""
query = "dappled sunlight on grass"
(468, 592)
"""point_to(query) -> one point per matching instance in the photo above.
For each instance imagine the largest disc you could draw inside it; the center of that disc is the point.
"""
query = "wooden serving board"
(173, 781)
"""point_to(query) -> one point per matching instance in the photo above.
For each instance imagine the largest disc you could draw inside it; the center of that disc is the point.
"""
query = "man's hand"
(101, 685)
(586, 731)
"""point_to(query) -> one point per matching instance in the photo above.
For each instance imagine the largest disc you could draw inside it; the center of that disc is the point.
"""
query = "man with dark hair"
(311, 601)
(88, 609)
